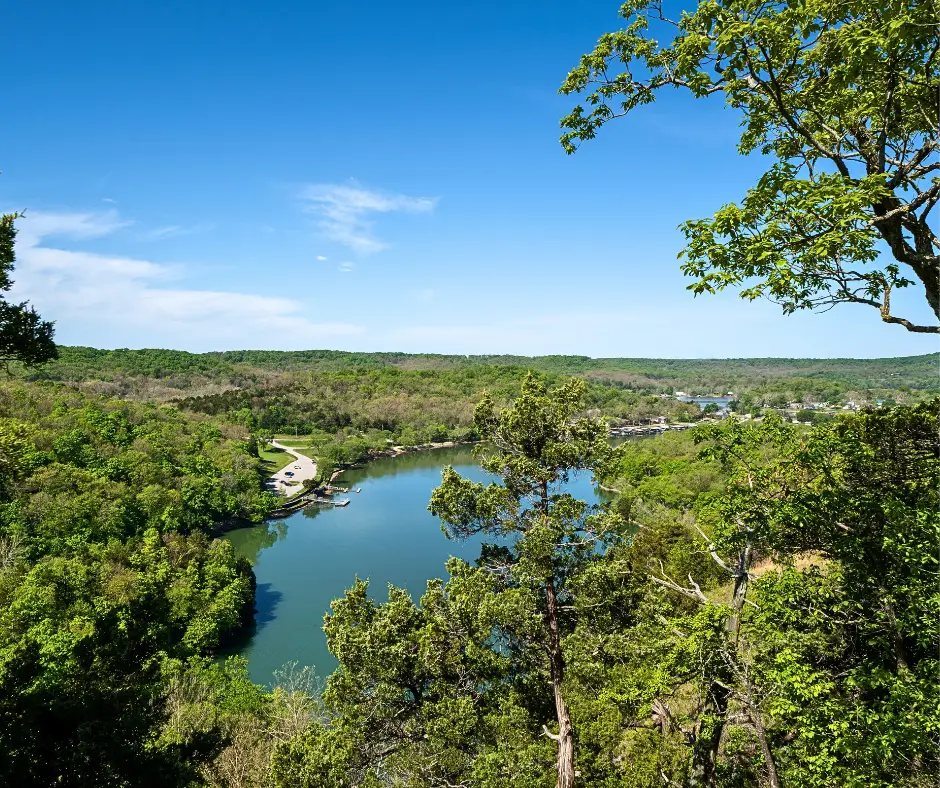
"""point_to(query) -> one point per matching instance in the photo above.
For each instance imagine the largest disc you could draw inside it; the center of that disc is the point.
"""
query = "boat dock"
(630, 430)
(302, 501)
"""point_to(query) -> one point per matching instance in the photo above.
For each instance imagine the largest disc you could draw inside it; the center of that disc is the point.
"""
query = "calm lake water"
(385, 535)
(721, 402)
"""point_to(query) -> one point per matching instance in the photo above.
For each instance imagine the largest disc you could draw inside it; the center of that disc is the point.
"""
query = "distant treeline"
(179, 369)
(412, 406)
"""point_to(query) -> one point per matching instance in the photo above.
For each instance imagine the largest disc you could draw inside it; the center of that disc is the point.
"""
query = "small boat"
(344, 502)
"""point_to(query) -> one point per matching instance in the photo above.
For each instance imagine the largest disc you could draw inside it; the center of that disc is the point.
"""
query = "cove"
(385, 535)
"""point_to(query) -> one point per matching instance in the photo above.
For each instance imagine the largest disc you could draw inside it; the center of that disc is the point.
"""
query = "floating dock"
(653, 429)
(300, 502)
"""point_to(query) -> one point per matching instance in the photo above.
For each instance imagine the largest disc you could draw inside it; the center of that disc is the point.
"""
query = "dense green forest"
(699, 636)
(109, 577)
(351, 405)
(756, 606)
(163, 373)
(759, 596)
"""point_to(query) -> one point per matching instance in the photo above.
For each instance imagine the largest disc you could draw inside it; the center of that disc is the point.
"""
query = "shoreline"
(397, 451)
(297, 504)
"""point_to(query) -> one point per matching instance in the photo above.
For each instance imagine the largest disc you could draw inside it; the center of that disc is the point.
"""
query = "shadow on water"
(267, 598)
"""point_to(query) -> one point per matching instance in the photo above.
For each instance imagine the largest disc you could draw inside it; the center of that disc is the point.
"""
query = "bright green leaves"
(90, 470)
(841, 95)
(82, 642)
(855, 722)
(782, 241)
(842, 635)
(746, 452)
(420, 689)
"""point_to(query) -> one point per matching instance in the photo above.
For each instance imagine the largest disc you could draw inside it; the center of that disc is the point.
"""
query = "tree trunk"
(741, 579)
(565, 737)
(900, 652)
(921, 258)
(773, 779)
(708, 739)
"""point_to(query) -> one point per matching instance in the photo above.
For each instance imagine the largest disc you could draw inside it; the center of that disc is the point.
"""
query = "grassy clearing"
(272, 460)
(294, 443)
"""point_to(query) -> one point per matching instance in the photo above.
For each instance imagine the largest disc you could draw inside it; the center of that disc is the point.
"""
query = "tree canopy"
(842, 96)
(537, 443)
(24, 335)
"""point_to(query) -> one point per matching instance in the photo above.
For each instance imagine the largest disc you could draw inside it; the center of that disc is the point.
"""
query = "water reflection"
(249, 542)
(385, 535)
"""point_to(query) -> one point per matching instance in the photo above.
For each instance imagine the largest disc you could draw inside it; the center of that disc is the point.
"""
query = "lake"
(385, 535)
(721, 402)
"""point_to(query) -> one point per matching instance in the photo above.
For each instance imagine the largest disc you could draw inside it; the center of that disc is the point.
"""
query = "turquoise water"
(721, 402)
(385, 535)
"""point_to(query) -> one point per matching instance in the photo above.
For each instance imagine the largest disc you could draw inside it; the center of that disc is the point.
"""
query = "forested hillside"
(758, 607)
(727, 612)
(108, 573)
(672, 573)
(151, 373)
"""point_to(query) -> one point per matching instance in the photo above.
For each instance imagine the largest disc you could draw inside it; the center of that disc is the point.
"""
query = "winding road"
(302, 468)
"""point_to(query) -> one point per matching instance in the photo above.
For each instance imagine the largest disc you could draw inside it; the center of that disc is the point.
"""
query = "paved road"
(307, 470)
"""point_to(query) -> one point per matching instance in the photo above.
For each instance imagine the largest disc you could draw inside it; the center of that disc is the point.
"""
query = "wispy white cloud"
(321, 258)
(174, 231)
(95, 291)
(76, 226)
(343, 212)
(346, 267)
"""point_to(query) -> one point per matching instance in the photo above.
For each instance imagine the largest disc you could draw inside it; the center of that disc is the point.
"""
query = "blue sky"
(367, 176)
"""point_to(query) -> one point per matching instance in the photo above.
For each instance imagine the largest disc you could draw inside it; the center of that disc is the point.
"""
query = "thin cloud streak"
(36, 225)
(174, 231)
(122, 293)
(343, 212)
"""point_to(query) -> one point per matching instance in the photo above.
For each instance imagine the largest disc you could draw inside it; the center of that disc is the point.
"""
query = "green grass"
(272, 460)
(294, 443)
